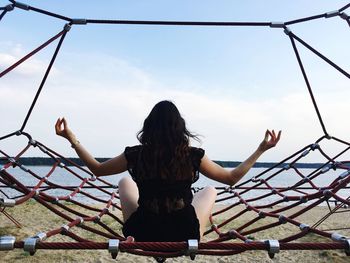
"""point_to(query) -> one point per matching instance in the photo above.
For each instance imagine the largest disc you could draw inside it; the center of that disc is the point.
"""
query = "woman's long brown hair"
(165, 145)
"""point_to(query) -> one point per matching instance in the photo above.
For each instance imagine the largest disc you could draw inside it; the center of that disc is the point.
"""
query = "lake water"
(63, 177)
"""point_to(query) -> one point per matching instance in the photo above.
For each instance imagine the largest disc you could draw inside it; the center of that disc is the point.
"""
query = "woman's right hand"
(62, 129)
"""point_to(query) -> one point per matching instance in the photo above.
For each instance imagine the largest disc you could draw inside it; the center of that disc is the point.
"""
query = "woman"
(157, 203)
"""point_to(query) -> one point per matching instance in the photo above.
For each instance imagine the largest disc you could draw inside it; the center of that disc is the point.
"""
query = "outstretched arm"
(230, 177)
(112, 166)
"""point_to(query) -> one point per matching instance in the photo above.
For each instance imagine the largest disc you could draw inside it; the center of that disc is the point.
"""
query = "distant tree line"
(45, 161)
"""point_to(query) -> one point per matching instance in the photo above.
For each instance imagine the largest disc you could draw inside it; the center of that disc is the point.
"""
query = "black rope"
(320, 55)
(304, 19)
(308, 85)
(344, 7)
(43, 80)
(175, 23)
(8, 135)
(50, 14)
(3, 13)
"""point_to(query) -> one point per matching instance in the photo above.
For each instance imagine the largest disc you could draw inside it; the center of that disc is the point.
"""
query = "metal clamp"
(303, 226)
(303, 199)
(338, 237)
(327, 193)
(277, 25)
(7, 202)
(262, 214)
(67, 27)
(274, 247)
(192, 248)
(97, 219)
(29, 245)
(81, 221)
(306, 152)
(62, 165)
(282, 219)
(93, 178)
(78, 21)
(347, 249)
(21, 5)
(344, 15)
(56, 201)
(41, 236)
(7, 243)
(344, 174)
(9, 7)
(12, 160)
(332, 13)
(287, 31)
(325, 169)
(113, 247)
(33, 142)
(315, 146)
(286, 167)
(64, 229)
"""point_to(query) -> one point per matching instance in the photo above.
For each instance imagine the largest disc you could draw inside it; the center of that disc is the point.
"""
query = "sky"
(230, 84)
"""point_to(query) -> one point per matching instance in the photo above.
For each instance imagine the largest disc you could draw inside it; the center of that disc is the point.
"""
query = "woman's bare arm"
(115, 165)
(231, 177)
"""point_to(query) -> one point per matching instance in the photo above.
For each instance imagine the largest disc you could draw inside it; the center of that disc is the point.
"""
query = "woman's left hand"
(270, 140)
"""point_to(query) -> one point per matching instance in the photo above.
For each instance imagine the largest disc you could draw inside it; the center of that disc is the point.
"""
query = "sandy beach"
(36, 218)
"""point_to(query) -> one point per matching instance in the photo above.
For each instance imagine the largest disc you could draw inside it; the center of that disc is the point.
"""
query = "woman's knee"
(210, 190)
(125, 182)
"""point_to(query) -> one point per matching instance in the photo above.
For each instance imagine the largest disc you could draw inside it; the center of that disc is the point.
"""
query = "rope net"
(244, 214)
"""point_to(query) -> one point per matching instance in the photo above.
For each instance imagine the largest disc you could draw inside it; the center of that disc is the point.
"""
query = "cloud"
(106, 99)
(30, 68)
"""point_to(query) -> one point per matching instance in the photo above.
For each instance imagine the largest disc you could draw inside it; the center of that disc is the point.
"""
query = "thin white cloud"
(106, 100)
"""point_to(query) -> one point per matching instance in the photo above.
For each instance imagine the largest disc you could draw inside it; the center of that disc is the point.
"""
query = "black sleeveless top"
(163, 196)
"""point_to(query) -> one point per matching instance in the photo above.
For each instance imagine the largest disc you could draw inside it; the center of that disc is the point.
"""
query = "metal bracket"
(41, 236)
(67, 27)
(344, 174)
(282, 219)
(29, 245)
(332, 14)
(113, 247)
(7, 202)
(287, 31)
(21, 6)
(9, 7)
(314, 146)
(33, 142)
(7, 243)
(306, 152)
(81, 221)
(286, 167)
(274, 247)
(303, 226)
(325, 169)
(277, 25)
(78, 21)
(303, 199)
(97, 219)
(192, 248)
(338, 237)
(344, 15)
(64, 229)
(347, 250)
